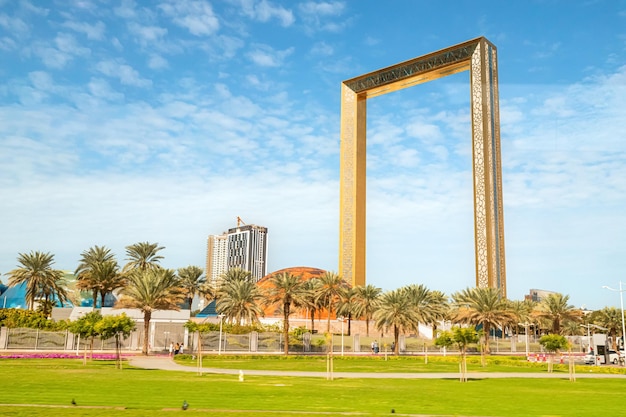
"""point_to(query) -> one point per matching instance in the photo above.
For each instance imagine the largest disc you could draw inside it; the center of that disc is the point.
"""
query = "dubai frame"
(480, 58)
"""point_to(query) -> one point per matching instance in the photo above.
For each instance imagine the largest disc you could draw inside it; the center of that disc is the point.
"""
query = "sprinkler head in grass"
(73, 402)
(393, 410)
(185, 405)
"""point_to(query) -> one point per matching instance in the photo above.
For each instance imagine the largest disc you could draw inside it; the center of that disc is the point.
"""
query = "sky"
(162, 121)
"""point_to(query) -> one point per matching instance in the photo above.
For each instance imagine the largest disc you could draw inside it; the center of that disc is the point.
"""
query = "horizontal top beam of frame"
(415, 71)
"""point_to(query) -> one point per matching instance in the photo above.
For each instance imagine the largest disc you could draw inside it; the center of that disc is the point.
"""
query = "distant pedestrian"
(181, 349)
(171, 348)
(176, 348)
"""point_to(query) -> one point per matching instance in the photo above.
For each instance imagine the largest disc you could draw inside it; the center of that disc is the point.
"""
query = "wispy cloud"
(264, 11)
(126, 74)
(92, 31)
(266, 56)
(195, 16)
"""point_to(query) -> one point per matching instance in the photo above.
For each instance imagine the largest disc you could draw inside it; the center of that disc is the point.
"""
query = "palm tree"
(440, 309)
(143, 255)
(348, 306)
(149, 290)
(396, 311)
(191, 281)
(287, 290)
(87, 278)
(238, 300)
(611, 319)
(520, 314)
(312, 303)
(235, 274)
(329, 292)
(422, 300)
(482, 306)
(41, 280)
(108, 277)
(557, 311)
(367, 299)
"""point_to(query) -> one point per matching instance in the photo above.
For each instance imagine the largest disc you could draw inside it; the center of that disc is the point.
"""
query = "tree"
(331, 285)
(192, 282)
(552, 343)
(149, 290)
(85, 327)
(367, 300)
(238, 300)
(482, 307)
(348, 307)
(116, 326)
(396, 311)
(462, 337)
(611, 319)
(41, 280)
(143, 256)
(312, 303)
(287, 290)
(440, 309)
(90, 271)
(556, 310)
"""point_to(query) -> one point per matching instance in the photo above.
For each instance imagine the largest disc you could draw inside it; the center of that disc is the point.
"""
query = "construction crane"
(240, 222)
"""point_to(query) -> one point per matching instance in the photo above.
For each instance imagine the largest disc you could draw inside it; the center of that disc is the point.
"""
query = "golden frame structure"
(480, 58)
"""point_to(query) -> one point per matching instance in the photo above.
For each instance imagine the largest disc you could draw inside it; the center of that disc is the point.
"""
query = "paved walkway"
(168, 364)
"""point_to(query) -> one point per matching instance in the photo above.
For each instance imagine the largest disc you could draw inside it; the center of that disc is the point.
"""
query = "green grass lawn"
(139, 392)
(380, 363)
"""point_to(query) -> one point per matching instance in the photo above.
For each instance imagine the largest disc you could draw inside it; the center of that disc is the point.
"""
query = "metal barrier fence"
(264, 342)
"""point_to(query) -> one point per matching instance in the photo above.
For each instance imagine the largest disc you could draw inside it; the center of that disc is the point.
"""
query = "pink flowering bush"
(52, 355)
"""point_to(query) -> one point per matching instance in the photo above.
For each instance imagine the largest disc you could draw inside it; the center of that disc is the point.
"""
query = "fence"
(162, 334)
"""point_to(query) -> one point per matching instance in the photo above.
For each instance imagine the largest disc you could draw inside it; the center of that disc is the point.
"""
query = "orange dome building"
(305, 273)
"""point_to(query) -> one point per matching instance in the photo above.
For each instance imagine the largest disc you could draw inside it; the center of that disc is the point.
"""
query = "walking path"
(166, 363)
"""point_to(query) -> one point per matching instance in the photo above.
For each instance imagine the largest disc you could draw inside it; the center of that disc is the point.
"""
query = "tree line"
(142, 283)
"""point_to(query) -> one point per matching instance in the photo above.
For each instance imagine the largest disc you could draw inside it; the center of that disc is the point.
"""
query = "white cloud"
(147, 34)
(266, 56)
(126, 74)
(13, 24)
(335, 8)
(157, 62)
(195, 16)
(65, 49)
(92, 31)
(263, 11)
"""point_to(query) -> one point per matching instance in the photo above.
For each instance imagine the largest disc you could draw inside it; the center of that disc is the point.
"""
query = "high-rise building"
(217, 249)
(244, 246)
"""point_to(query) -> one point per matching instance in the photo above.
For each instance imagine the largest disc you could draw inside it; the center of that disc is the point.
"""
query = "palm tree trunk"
(349, 323)
(286, 327)
(328, 310)
(147, 315)
(312, 320)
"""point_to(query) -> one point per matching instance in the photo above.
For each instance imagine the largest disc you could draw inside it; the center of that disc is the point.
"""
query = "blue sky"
(162, 121)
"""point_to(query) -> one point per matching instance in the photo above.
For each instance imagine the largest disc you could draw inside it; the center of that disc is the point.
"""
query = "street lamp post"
(219, 347)
(621, 302)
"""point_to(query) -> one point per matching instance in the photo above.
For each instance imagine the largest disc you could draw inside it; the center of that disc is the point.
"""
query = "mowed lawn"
(46, 387)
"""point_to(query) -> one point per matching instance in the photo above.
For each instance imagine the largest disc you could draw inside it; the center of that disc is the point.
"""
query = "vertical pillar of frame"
(352, 187)
(487, 168)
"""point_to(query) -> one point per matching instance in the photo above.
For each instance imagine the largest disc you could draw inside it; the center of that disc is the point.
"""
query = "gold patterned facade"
(479, 56)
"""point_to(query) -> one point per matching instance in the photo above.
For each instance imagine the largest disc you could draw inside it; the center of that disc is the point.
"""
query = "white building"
(217, 253)
(244, 247)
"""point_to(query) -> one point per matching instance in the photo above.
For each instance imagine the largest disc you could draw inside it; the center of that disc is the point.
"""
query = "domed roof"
(304, 272)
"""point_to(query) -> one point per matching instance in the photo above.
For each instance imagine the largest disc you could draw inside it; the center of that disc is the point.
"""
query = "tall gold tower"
(480, 58)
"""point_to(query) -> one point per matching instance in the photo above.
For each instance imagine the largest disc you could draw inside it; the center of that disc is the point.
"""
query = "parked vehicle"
(590, 359)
